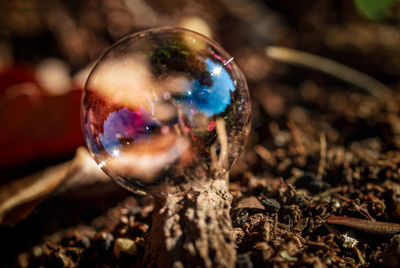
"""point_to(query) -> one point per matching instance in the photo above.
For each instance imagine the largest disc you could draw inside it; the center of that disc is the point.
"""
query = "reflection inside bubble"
(123, 128)
(151, 105)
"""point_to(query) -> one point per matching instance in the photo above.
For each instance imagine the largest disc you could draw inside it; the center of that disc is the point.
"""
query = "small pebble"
(37, 251)
(284, 254)
(124, 219)
(250, 202)
(271, 205)
(124, 245)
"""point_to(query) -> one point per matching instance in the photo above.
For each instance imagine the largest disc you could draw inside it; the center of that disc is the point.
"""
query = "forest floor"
(319, 147)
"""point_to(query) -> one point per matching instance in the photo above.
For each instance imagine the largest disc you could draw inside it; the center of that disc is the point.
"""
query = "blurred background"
(47, 48)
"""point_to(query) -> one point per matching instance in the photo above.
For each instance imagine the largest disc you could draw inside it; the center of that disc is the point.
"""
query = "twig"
(296, 137)
(341, 71)
(322, 161)
(371, 227)
(263, 153)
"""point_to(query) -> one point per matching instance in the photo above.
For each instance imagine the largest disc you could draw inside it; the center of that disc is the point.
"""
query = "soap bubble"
(165, 104)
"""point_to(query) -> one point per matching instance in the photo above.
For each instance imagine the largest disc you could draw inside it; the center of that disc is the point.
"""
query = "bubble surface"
(165, 104)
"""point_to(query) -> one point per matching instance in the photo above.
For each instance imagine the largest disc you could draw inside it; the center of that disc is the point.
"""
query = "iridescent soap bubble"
(152, 106)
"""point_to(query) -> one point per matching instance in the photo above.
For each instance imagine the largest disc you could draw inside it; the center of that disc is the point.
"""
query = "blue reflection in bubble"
(212, 99)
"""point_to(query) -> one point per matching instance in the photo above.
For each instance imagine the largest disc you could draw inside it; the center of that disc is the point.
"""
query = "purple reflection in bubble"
(124, 127)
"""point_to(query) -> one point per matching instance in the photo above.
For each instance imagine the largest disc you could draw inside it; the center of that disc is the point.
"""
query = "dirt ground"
(319, 146)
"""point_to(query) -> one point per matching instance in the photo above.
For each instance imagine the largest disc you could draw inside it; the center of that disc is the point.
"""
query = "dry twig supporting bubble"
(194, 225)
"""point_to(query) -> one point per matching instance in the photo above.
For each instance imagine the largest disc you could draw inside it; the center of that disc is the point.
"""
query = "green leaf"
(373, 9)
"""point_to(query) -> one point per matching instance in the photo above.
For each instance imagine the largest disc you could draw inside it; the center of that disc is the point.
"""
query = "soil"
(319, 147)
